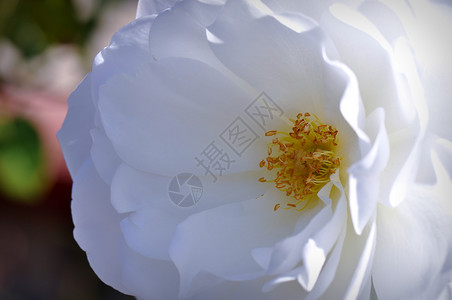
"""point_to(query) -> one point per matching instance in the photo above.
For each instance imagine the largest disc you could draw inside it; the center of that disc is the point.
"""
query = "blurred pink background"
(46, 48)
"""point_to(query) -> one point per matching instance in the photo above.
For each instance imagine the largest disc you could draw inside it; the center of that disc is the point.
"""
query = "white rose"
(193, 98)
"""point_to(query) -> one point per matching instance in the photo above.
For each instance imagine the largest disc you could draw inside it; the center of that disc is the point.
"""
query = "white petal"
(154, 218)
(329, 270)
(365, 174)
(405, 143)
(353, 272)
(358, 286)
(148, 278)
(442, 164)
(150, 7)
(351, 31)
(315, 274)
(74, 135)
(127, 52)
(317, 238)
(133, 190)
(346, 273)
(343, 98)
(231, 290)
(429, 29)
(328, 236)
(401, 167)
(150, 227)
(103, 155)
(252, 290)
(447, 292)
(313, 258)
(181, 31)
(311, 8)
(97, 226)
(413, 254)
(397, 92)
(170, 109)
(288, 253)
(271, 57)
(387, 22)
(97, 231)
(221, 240)
(149, 232)
(176, 34)
(203, 11)
(226, 290)
(427, 25)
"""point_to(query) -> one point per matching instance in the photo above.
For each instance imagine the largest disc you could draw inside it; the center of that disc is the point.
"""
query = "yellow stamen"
(270, 133)
(303, 159)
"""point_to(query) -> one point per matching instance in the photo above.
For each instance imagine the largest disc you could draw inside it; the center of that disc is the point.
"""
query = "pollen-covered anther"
(303, 159)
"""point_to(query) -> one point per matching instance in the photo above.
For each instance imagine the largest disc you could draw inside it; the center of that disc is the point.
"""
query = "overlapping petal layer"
(172, 81)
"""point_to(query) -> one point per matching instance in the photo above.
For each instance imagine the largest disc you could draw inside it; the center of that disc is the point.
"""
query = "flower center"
(303, 159)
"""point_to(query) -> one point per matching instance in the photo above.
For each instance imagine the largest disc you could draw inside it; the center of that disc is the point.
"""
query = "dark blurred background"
(46, 48)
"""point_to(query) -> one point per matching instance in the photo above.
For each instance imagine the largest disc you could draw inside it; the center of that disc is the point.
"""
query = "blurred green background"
(46, 48)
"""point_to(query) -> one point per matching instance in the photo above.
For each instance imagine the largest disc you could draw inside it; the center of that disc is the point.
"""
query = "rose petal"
(426, 209)
(197, 91)
(97, 226)
(364, 175)
(74, 135)
(343, 97)
(311, 8)
(103, 155)
(442, 163)
(325, 278)
(250, 224)
(97, 231)
(133, 190)
(151, 7)
(414, 225)
(127, 52)
(353, 272)
(148, 278)
(154, 218)
(315, 275)
(149, 232)
(359, 286)
(323, 230)
(150, 228)
(181, 32)
(251, 290)
(328, 271)
(267, 54)
(384, 19)
(350, 31)
(397, 95)
(405, 143)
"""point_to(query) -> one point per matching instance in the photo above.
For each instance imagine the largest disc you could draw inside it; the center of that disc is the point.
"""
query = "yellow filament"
(302, 158)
